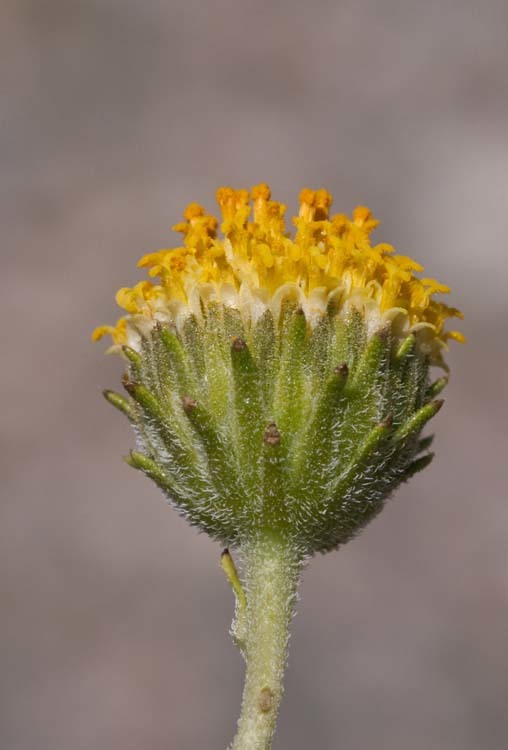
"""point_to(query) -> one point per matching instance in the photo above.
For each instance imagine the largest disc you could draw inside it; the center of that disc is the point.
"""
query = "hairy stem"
(271, 571)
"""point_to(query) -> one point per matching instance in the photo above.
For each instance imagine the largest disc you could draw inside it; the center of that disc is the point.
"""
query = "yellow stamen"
(327, 252)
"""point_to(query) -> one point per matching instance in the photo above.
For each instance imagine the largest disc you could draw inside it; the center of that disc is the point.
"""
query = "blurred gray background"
(114, 614)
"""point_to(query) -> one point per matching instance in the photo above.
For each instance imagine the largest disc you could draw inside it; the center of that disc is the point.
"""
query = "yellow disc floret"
(256, 262)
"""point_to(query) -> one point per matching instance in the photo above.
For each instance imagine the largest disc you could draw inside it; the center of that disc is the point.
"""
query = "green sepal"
(191, 338)
(418, 421)
(265, 353)
(249, 430)
(248, 403)
(274, 477)
(233, 324)
(120, 403)
(219, 454)
(350, 338)
(344, 510)
(289, 386)
(239, 624)
(405, 349)
(363, 455)
(436, 387)
(163, 433)
(371, 366)
(135, 359)
(178, 361)
(217, 377)
(318, 351)
(314, 452)
(367, 384)
(161, 478)
(144, 398)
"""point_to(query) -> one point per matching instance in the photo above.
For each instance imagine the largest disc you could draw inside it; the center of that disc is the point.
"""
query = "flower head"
(255, 265)
(279, 384)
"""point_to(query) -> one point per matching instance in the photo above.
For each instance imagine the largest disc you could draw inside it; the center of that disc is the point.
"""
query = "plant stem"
(271, 570)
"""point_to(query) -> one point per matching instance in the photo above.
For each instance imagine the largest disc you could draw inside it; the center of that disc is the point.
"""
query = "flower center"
(255, 263)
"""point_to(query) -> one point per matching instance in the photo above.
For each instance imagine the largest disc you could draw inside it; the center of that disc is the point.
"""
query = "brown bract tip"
(189, 403)
(127, 383)
(272, 434)
(238, 344)
(342, 370)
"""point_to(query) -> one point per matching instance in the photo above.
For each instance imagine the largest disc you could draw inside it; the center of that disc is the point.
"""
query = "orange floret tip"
(193, 210)
(361, 215)
(307, 196)
(224, 195)
(241, 198)
(261, 192)
(324, 199)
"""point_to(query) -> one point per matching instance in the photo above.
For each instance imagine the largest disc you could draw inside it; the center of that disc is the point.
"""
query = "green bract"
(278, 428)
